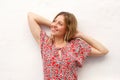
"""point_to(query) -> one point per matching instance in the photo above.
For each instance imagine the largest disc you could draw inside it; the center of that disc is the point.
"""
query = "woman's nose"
(54, 24)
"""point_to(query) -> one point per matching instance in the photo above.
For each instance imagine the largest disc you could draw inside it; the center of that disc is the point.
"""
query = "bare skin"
(58, 30)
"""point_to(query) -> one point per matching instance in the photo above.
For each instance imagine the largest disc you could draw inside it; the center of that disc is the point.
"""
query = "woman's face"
(58, 26)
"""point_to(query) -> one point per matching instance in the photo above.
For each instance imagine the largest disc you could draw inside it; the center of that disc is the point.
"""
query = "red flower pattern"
(66, 66)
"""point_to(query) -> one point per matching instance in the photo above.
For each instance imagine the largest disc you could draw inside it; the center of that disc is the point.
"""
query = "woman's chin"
(53, 34)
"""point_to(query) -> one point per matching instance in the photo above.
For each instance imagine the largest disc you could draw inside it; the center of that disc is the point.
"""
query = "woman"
(66, 49)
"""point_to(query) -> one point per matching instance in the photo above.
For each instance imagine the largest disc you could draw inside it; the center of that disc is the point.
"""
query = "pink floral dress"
(62, 66)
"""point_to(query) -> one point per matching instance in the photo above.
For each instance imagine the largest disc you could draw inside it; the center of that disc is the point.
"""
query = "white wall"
(20, 57)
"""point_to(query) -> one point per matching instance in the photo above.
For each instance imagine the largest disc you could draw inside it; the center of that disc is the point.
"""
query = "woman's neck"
(59, 42)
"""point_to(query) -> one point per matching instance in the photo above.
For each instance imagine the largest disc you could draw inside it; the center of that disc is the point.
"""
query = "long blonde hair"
(71, 25)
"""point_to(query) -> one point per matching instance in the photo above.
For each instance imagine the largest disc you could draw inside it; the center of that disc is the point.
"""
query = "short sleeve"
(82, 50)
(43, 38)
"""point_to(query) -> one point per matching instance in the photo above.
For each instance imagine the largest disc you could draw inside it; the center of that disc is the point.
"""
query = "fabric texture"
(62, 63)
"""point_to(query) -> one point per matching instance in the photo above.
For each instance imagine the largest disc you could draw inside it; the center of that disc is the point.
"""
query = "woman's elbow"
(30, 14)
(104, 52)
(96, 52)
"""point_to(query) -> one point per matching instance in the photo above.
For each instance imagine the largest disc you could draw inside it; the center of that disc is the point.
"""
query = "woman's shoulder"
(78, 42)
(74, 40)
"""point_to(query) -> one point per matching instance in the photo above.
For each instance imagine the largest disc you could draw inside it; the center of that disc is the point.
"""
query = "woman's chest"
(58, 57)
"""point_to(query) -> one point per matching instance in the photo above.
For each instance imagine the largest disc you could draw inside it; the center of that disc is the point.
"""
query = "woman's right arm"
(97, 48)
(35, 21)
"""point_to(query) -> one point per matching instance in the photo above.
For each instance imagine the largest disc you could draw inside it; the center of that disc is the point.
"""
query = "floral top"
(62, 63)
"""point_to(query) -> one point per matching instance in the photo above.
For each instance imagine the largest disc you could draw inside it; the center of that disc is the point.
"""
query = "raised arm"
(97, 49)
(35, 21)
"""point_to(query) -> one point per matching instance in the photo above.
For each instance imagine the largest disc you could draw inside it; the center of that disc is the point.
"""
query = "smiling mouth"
(54, 30)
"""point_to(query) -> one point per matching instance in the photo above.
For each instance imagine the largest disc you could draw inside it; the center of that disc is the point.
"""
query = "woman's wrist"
(48, 23)
(79, 35)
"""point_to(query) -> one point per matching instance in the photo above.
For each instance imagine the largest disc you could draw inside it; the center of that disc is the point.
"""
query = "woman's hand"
(78, 34)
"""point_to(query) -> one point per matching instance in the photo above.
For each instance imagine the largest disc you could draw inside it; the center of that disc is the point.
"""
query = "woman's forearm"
(40, 20)
(94, 43)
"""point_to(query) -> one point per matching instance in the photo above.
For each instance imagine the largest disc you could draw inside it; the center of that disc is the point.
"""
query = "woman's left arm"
(97, 49)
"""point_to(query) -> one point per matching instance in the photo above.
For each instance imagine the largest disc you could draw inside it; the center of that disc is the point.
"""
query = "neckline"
(59, 48)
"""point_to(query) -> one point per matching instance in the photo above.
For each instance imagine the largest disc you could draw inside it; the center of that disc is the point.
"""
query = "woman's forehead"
(60, 18)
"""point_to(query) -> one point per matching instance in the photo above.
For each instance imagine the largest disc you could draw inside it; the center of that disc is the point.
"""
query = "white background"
(20, 57)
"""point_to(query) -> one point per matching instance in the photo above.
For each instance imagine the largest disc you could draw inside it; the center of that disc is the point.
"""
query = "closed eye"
(60, 23)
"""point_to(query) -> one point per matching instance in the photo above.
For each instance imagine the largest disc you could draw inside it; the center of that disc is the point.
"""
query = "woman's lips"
(53, 30)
